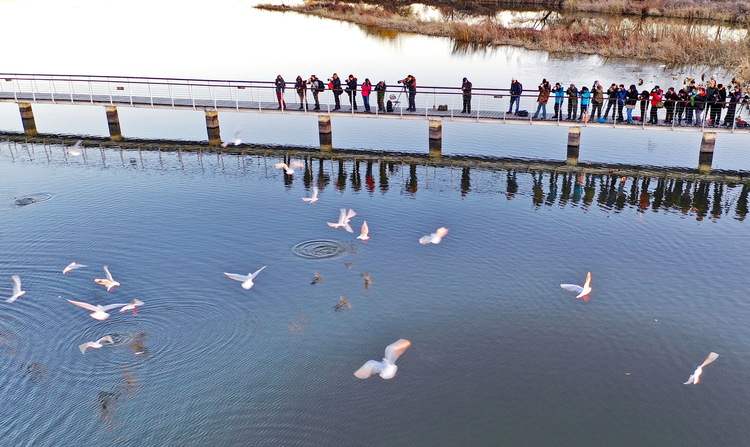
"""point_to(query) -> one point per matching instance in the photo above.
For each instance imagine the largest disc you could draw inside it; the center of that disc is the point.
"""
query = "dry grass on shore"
(734, 11)
(615, 38)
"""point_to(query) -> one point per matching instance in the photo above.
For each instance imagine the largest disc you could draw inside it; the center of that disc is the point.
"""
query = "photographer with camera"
(410, 85)
(466, 89)
(351, 91)
(301, 87)
(334, 83)
(280, 87)
(316, 86)
(380, 89)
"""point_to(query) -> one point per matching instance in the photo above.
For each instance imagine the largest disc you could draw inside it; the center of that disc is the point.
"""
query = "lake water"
(500, 354)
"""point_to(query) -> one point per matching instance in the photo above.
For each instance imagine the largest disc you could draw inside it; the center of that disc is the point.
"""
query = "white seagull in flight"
(95, 344)
(247, 280)
(17, 292)
(582, 292)
(344, 218)
(696, 376)
(73, 266)
(287, 169)
(107, 282)
(365, 232)
(314, 197)
(100, 312)
(387, 368)
(435, 237)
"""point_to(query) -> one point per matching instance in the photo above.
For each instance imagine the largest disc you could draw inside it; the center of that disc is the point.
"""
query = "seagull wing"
(587, 284)
(85, 346)
(711, 357)
(297, 164)
(315, 192)
(282, 166)
(365, 230)
(369, 368)
(253, 275)
(106, 339)
(572, 288)
(691, 380)
(424, 240)
(441, 232)
(109, 275)
(394, 350)
(237, 277)
(16, 284)
(342, 216)
(86, 306)
(350, 214)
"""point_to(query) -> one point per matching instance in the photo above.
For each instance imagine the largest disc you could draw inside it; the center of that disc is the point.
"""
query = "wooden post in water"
(212, 127)
(706, 156)
(113, 121)
(325, 133)
(436, 138)
(27, 118)
(574, 144)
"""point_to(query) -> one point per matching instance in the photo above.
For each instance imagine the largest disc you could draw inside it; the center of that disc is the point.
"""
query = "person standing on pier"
(657, 102)
(301, 87)
(621, 95)
(351, 91)
(597, 100)
(712, 101)
(631, 99)
(280, 87)
(611, 101)
(559, 98)
(644, 104)
(466, 89)
(734, 100)
(670, 102)
(681, 103)
(544, 92)
(366, 89)
(516, 90)
(572, 93)
(380, 89)
(334, 83)
(410, 85)
(316, 86)
(585, 101)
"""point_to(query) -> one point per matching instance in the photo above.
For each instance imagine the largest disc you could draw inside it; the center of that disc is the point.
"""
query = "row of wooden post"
(325, 132)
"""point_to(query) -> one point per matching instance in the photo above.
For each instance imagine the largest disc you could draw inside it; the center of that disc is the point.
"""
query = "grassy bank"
(612, 38)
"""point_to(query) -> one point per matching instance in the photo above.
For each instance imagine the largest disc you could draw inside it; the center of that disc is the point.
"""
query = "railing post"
(113, 122)
(27, 118)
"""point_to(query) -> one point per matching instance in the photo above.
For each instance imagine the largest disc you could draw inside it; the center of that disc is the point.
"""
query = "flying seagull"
(387, 368)
(107, 282)
(100, 312)
(247, 280)
(17, 292)
(696, 376)
(344, 218)
(95, 344)
(73, 266)
(435, 237)
(582, 292)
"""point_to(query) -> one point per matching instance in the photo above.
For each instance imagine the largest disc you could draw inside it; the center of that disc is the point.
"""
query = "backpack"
(320, 87)
(389, 106)
(523, 113)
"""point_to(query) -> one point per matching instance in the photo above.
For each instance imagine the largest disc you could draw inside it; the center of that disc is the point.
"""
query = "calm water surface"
(500, 356)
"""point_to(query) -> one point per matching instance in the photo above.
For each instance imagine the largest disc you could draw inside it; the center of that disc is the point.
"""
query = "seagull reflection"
(342, 305)
(367, 279)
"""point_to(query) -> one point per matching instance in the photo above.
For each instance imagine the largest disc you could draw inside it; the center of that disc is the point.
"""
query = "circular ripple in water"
(321, 248)
(32, 198)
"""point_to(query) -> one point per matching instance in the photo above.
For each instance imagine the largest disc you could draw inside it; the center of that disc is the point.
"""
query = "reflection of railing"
(546, 184)
(486, 103)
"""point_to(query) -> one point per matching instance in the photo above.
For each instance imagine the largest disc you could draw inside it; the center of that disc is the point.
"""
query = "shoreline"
(614, 40)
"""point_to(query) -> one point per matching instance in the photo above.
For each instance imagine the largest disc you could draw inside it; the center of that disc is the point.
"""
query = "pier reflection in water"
(672, 191)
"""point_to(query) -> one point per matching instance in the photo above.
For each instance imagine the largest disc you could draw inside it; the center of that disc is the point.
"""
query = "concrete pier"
(436, 138)
(574, 145)
(325, 132)
(212, 127)
(27, 118)
(113, 121)
(706, 156)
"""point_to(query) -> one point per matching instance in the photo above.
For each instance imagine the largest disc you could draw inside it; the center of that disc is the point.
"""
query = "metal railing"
(434, 101)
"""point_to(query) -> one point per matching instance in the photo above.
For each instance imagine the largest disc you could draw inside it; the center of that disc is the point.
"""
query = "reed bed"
(609, 37)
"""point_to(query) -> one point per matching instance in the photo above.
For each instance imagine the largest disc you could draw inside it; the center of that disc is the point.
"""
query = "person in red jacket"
(366, 89)
(657, 96)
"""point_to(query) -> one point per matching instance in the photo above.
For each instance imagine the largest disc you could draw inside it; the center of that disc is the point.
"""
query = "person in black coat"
(335, 85)
(351, 91)
(410, 85)
(466, 89)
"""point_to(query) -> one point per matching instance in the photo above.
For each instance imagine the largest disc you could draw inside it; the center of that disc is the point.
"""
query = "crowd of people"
(697, 105)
